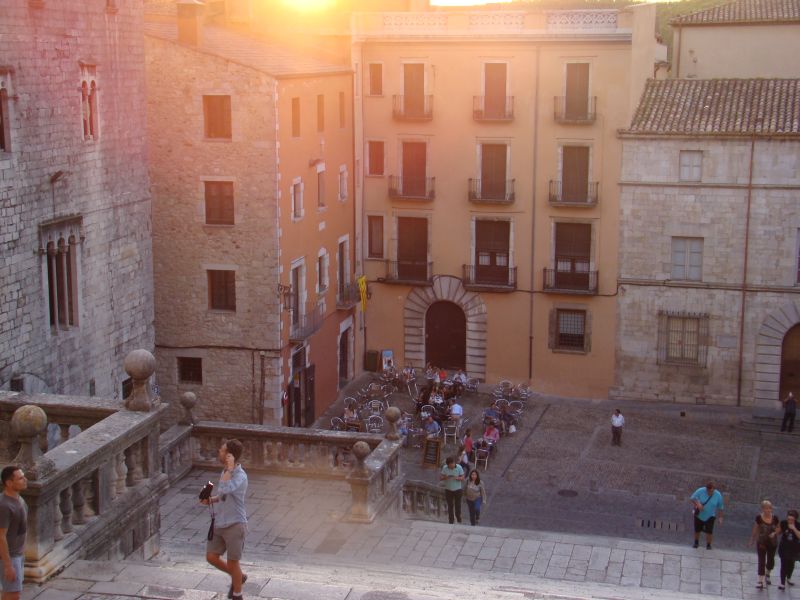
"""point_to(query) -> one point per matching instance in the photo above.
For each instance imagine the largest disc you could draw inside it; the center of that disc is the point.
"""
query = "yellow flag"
(362, 290)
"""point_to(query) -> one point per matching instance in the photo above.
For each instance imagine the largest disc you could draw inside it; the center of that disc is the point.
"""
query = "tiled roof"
(719, 106)
(744, 11)
(273, 59)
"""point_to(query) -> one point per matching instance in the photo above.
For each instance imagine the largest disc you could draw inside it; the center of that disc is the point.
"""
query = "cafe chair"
(482, 454)
(375, 424)
(522, 392)
(516, 407)
(427, 410)
(376, 407)
(450, 431)
(337, 424)
(472, 384)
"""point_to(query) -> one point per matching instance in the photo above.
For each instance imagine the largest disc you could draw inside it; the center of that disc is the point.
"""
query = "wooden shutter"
(376, 158)
(493, 171)
(577, 101)
(575, 173)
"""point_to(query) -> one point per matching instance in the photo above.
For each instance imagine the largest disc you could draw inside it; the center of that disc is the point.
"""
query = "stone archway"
(448, 288)
(769, 346)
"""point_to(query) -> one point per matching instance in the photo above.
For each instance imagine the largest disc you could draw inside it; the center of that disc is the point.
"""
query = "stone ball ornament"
(140, 364)
(28, 421)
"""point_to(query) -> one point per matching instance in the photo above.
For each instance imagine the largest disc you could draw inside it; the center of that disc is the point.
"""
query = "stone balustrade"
(423, 500)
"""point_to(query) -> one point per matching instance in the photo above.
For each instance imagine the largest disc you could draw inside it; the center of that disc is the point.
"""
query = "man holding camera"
(230, 520)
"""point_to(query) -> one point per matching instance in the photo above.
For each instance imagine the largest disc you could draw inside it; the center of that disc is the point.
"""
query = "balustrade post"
(58, 534)
(392, 416)
(65, 507)
(188, 401)
(27, 423)
(140, 365)
(359, 480)
(78, 503)
(121, 472)
(89, 497)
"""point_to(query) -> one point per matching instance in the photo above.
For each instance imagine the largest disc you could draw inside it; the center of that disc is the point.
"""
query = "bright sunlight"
(309, 5)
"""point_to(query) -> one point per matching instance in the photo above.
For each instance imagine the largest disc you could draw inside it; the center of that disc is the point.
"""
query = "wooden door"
(575, 173)
(573, 250)
(491, 251)
(414, 89)
(790, 363)
(412, 248)
(494, 106)
(446, 335)
(577, 101)
(414, 169)
(493, 171)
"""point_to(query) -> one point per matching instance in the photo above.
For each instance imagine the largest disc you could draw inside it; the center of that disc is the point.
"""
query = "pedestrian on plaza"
(789, 547)
(475, 493)
(230, 522)
(765, 536)
(463, 458)
(13, 528)
(453, 477)
(789, 412)
(617, 423)
(706, 503)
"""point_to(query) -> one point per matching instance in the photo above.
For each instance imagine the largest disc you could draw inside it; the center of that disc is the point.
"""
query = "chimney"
(190, 21)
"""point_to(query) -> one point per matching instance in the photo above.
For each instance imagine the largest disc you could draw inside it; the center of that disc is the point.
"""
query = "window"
(375, 233)
(89, 101)
(295, 117)
(219, 202)
(414, 91)
(691, 165)
(127, 388)
(687, 258)
(222, 290)
(412, 249)
(375, 158)
(190, 369)
(60, 248)
(682, 338)
(320, 112)
(570, 330)
(217, 116)
(297, 198)
(342, 110)
(297, 290)
(576, 105)
(494, 90)
(575, 174)
(17, 384)
(493, 171)
(492, 251)
(343, 182)
(321, 187)
(375, 79)
(414, 180)
(5, 120)
(322, 271)
(343, 260)
(573, 257)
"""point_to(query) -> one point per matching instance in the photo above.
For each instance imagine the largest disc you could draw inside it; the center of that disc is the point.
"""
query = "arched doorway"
(446, 335)
(790, 362)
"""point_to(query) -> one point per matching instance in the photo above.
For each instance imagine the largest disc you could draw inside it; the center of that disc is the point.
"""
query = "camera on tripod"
(205, 493)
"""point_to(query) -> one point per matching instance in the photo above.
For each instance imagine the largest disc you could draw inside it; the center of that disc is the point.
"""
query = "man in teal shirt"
(707, 502)
(453, 476)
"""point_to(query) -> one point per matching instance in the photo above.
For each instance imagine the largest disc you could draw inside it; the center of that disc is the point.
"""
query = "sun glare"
(464, 2)
(309, 5)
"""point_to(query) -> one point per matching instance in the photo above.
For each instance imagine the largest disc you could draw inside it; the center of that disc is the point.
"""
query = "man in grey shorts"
(13, 527)
(230, 524)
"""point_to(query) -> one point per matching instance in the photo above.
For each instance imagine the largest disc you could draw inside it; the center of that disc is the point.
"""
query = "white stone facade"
(63, 179)
(657, 207)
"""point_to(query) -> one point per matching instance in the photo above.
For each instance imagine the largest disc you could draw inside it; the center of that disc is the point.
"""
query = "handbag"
(210, 535)
(696, 511)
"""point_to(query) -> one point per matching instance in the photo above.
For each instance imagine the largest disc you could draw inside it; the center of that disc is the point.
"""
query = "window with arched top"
(60, 249)
(89, 101)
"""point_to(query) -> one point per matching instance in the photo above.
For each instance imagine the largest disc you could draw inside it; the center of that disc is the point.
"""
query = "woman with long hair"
(475, 493)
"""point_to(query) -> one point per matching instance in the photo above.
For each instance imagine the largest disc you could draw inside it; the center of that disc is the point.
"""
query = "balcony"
(575, 111)
(572, 195)
(490, 278)
(414, 272)
(412, 108)
(571, 278)
(489, 191)
(493, 110)
(303, 326)
(347, 296)
(412, 187)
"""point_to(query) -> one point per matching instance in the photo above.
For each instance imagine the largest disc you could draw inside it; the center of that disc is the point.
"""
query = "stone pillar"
(27, 423)
(140, 365)
(359, 480)
(392, 416)
(188, 401)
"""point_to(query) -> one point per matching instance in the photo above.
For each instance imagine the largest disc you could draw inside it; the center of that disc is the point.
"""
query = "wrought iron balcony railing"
(501, 109)
(490, 277)
(491, 191)
(412, 108)
(570, 278)
(409, 271)
(575, 111)
(304, 325)
(347, 296)
(584, 194)
(412, 187)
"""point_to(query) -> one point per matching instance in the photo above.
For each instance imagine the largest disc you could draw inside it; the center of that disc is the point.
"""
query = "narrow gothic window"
(89, 102)
(60, 250)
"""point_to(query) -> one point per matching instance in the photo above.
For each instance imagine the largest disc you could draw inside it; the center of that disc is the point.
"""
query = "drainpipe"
(533, 215)
(744, 271)
(676, 49)
(261, 393)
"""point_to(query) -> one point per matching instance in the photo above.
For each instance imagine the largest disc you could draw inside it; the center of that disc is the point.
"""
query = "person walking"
(230, 524)
(789, 548)
(617, 423)
(789, 413)
(765, 536)
(706, 503)
(453, 477)
(13, 529)
(475, 493)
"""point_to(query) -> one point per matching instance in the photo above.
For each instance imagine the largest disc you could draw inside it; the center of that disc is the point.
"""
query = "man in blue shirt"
(230, 524)
(706, 503)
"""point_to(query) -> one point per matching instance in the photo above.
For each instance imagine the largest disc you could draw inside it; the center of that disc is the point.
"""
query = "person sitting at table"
(424, 398)
(409, 374)
(350, 413)
(437, 380)
(432, 427)
(506, 419)
(491, 434)
(459, 382)
(390, 374)
(491, 414)
(468, 443)
(456, 411)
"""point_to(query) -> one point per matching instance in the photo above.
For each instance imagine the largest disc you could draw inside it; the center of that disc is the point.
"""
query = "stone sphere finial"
(361, 450)
(188, 401)
(27, 423)
(392, 416)
(140, 365)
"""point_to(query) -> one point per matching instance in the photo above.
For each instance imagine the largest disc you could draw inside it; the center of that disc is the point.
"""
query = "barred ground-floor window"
(682, 338)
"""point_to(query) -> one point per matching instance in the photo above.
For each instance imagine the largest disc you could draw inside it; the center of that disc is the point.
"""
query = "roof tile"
(744, 11)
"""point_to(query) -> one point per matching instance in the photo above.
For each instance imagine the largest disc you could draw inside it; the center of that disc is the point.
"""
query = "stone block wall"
(51, 173)
(185, 247)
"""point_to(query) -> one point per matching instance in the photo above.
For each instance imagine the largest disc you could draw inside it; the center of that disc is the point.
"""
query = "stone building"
(490, 202)
(709, 310)
(251, 163)
(76, 258)
(744, 38)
